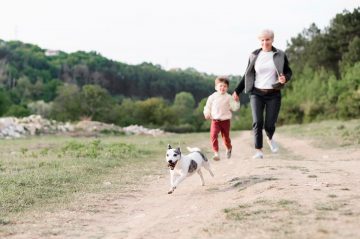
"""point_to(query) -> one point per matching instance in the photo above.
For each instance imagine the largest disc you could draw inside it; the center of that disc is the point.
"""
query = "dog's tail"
(197, 150)
(193, 149)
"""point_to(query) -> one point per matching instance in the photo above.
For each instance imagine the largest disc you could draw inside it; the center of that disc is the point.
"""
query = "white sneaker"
(273, 146)
(258, 155)
(216, 156)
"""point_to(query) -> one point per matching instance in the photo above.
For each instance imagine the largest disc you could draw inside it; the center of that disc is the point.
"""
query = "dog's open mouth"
(172, 165)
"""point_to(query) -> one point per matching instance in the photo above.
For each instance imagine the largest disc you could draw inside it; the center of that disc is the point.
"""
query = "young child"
(218, 108)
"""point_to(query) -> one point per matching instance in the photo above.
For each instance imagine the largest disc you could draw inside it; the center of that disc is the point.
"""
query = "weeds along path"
(301, 192)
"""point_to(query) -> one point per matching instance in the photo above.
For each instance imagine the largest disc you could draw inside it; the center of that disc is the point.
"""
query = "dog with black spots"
(182, 166)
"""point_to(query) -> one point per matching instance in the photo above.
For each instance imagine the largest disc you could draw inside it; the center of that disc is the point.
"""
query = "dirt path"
(301, 192)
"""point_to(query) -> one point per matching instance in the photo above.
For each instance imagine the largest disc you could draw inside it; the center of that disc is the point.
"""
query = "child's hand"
(207, 116)
(235, 96)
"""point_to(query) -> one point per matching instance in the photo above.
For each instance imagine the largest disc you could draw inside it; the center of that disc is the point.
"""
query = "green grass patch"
(41, 171)
(287, 203)
(262, 209)
(328, 206)
(244, 182)
(38, 175)
(327, 134)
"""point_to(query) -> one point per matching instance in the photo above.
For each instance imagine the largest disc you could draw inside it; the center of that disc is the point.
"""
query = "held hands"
(235, 96)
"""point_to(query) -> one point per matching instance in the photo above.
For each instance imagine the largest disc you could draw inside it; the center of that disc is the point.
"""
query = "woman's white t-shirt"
(265, 70)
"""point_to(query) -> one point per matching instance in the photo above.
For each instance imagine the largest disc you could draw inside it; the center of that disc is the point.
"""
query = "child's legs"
(225, 133)
(214, 131)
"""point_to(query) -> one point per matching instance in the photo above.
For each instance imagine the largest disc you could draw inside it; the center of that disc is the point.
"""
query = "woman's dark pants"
(270, 104)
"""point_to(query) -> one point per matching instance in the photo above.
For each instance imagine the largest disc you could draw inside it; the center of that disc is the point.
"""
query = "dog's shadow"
(241, 183)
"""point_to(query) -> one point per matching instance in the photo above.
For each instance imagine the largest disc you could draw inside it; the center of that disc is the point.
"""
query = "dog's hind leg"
(201, 176)
(206, 165)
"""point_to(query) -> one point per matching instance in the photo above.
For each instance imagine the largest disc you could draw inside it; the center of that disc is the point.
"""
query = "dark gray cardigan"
(281, 63)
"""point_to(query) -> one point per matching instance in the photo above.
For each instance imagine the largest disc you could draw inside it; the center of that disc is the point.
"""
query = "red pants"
(224, 128)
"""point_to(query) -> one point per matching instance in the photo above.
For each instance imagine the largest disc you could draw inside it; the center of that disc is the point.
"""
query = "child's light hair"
(266, 32)
(222, 79)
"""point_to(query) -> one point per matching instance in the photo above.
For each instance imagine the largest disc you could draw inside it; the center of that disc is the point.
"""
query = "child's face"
(221, 87)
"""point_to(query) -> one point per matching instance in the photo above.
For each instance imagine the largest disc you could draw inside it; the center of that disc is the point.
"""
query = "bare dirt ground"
(300, 192)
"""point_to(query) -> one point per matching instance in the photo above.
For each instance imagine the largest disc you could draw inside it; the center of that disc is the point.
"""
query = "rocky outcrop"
(140, 130)
(11, 127)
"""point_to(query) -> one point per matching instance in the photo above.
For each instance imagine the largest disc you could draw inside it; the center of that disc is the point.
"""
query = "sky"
(211, 36)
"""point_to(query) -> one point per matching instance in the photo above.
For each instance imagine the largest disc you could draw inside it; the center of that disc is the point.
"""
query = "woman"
(267, 71)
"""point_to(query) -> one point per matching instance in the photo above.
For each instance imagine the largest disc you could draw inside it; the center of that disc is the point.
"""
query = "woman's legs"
(257, 109)
(269, 103)
(273, 103)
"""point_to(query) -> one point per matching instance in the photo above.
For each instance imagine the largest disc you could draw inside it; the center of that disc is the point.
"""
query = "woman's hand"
(235, 96)
(282, 79)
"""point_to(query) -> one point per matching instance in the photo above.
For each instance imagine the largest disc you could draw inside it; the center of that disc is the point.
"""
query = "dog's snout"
(170, 161)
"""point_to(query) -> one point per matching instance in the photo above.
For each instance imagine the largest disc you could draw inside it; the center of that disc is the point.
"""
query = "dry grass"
(48, 171)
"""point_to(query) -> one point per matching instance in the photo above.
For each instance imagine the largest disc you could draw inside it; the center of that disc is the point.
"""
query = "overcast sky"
(209, 35)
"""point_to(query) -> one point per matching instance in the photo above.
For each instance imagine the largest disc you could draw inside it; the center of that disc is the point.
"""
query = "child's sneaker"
(258, 155)
(273, 146)
(216, 156)
(228, 153)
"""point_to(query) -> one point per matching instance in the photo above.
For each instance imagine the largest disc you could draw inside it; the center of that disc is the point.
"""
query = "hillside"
(45, 69)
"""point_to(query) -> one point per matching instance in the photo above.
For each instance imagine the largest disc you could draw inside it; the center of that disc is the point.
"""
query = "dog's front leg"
(178, 180)
(172, 175)
(171, 190)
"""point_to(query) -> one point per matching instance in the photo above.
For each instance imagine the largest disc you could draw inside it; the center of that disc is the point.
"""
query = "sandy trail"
(301, 192)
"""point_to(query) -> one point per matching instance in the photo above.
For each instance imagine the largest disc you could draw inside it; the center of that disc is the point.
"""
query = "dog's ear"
(178, 150)
(169, 146)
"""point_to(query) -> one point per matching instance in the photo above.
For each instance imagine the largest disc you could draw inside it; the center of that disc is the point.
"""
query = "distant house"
(175, 69)
(51, 52)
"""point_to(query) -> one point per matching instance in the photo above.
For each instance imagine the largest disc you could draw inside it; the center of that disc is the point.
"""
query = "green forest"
(86, 85)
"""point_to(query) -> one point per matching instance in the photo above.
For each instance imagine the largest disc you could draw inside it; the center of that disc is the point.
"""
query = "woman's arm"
(240, 87)
(234, 105)
(287, 70)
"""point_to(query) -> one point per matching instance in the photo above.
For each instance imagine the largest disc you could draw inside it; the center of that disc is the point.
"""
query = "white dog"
(185, 165)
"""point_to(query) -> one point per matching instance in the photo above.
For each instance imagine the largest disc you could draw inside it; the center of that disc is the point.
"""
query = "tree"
(17, 111)
(95, 102)
(66, 105)
(40, 108)
(154, 112)
(325, 49)
(184, 102)
(352, 55)
(348, 104)
(183, 106)
(4, 101)
(199, 121)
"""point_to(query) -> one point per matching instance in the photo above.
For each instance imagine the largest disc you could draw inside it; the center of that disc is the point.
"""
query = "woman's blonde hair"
(266, 32)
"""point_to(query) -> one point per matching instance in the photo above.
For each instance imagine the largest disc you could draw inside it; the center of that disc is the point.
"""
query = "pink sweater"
(219, 106)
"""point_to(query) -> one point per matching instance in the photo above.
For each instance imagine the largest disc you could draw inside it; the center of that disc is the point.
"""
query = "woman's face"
(266, 42)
